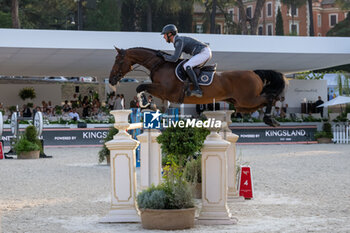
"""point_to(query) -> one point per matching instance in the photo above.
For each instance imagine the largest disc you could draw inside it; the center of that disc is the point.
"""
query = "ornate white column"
(214, 178)
(123, 176)
(227, 134)
(151, 158)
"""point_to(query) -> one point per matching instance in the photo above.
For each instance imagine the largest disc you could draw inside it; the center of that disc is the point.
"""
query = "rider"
(200, 52)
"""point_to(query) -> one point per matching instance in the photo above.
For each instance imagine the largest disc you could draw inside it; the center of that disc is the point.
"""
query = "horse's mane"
(148, 49)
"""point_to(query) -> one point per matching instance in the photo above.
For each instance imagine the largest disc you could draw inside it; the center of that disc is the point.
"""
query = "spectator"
(86, 106)
(66, 108)
(284, 107)
(74, 115)
(44, 105)
(26, 111)
(118, 103)
(134, 103)
(122, 101)
(111, 101)
(74, 101)
(319, 109)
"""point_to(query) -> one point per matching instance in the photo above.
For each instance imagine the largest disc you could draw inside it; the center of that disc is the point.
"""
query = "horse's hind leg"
(268, 119)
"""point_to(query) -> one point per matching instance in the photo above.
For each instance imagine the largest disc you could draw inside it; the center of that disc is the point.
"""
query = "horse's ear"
(118, 50)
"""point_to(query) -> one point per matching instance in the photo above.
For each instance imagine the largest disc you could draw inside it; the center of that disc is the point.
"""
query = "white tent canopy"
(336, 101)
(89, 53)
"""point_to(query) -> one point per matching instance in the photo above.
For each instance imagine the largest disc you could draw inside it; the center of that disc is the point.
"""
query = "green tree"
(344, 4)
(341, 29)
(279, 23)
(106, 16)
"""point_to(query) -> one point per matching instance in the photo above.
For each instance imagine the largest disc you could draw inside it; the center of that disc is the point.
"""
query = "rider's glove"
(159, 54)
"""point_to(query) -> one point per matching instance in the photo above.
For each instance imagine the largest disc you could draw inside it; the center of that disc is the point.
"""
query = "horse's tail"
(274, 82)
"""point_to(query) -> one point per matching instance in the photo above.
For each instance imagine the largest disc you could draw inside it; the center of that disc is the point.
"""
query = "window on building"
(294, 27)
(249, 12)
(231, 13)
(269, 29)
(319, 22)
(199, 28)
(260, 30)
(218, 29)
(333, 19)
(293, 11)
(269, 9)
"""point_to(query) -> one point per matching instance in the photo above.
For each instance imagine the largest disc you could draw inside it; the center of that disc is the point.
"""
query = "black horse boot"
(193, 77)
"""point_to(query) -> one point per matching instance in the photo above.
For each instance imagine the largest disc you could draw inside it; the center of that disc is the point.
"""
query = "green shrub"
(27, 93)
(29, 141)
(326, 131)
(193, 170)
(179, 144)
(173, 193)
(104, 152)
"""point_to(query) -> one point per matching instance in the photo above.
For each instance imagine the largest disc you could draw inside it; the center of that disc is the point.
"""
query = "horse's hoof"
(271, 122)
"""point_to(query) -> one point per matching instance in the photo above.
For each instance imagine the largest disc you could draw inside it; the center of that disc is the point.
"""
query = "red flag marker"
(246, 183)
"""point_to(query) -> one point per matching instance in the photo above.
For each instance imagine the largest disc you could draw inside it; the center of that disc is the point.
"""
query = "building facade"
(326, 14)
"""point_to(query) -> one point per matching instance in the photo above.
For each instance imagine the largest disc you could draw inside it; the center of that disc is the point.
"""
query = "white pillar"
(214, 178)
(227, 134)
(151, 158)
(123, 176)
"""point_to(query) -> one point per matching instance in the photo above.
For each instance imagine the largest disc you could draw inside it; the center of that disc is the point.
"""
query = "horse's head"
(122, 66)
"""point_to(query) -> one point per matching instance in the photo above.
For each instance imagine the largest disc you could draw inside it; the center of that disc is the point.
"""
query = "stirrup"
(198, 93)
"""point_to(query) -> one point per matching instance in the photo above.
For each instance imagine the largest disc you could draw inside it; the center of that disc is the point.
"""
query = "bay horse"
(248, 91)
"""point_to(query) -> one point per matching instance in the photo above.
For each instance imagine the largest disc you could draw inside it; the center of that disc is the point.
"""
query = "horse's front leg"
(153, 89)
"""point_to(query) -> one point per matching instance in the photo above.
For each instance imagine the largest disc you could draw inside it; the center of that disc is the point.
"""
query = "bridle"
(120, 63)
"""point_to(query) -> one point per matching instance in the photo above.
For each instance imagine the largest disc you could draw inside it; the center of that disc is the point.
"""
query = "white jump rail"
(341, 134)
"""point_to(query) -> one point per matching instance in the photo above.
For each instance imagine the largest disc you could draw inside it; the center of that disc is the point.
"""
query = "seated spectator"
(26, 111)
(74, 115)
(66, 107)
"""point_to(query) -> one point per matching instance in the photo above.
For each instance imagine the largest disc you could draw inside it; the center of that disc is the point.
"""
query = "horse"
(248, 91)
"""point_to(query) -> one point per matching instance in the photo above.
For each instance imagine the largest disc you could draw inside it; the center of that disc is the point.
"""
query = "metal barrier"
(341, 134)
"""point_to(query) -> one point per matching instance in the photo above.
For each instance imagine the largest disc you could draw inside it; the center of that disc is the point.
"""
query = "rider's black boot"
(193, 77)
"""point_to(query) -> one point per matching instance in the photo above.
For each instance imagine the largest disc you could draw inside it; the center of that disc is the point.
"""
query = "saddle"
(205, 74)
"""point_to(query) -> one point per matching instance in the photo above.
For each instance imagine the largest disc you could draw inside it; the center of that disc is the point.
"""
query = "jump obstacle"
(217, 186)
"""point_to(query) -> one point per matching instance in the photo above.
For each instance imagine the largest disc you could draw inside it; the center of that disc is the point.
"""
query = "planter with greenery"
(168, 206)
(28, 146)
(326, 135)
(104, 153)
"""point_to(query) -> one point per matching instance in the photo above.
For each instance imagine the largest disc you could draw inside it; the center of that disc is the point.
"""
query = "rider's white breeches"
(199, 59)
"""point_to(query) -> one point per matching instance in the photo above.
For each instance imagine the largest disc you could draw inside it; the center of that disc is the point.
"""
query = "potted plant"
(326, 135)
(168, 206)
(104, 153)
(193, 174)
(27, 93)
(29, 145)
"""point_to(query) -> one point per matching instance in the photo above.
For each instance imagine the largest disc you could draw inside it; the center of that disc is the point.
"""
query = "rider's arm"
(178, 50)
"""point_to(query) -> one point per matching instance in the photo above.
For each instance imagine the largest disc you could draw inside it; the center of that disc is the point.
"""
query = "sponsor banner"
(282, 134)
(67, 136)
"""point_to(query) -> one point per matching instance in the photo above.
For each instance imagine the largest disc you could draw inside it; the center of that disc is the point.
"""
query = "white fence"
(341, 134)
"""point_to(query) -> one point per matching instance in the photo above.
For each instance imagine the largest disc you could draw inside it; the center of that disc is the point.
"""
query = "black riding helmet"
(170, 28)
